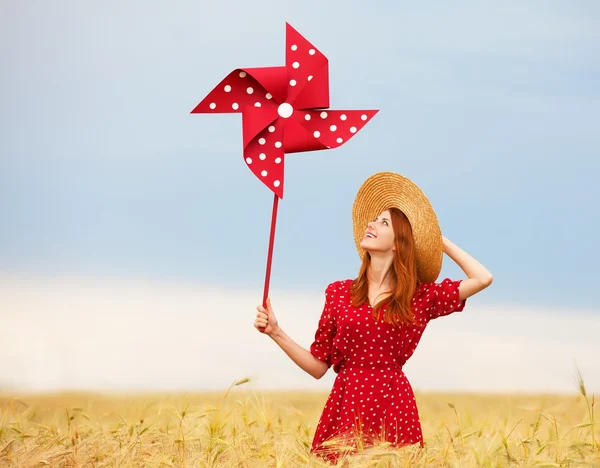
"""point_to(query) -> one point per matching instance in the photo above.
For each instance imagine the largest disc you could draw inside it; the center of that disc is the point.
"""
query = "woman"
(370, 326)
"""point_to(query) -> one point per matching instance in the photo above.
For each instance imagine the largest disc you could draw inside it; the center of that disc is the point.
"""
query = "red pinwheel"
(283, 111)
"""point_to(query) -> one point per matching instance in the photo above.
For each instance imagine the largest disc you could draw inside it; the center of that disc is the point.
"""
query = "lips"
(370, 235)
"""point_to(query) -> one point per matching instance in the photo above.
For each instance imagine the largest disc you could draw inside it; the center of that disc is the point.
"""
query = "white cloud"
(114, 334)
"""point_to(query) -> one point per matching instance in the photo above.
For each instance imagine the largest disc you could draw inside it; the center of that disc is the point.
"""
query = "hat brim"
(386, 190)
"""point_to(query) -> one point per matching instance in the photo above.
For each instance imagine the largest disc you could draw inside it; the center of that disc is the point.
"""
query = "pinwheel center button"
(285, 110)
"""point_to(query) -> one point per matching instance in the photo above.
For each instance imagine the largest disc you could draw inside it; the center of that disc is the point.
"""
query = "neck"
(377, 274)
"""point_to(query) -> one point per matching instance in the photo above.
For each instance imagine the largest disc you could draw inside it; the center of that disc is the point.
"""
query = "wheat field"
(247, 428)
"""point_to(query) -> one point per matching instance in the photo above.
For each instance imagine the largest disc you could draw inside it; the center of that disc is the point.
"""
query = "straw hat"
(385, 190)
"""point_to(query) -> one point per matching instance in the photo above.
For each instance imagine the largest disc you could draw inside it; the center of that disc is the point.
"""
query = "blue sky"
(492, 109)
(119, 210)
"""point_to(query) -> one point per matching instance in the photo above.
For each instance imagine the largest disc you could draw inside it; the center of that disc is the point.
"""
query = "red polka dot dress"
(371, 399)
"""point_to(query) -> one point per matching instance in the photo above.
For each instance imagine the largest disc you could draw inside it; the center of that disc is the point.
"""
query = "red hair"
(403, 276)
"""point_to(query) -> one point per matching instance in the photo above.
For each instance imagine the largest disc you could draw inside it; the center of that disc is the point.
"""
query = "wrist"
(276, 333)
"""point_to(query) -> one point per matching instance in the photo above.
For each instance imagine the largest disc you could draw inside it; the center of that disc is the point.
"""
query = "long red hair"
(403, 276)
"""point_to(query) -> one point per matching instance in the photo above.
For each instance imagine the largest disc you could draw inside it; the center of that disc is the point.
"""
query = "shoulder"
(426, 289)
(443, 287)
(339, 286)
(423, 289)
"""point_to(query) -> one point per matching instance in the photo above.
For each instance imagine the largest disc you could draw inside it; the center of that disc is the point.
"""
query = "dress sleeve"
(445, 297)
(322, 345)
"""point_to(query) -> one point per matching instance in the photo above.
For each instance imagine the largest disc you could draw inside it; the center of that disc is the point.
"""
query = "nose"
(370, 225)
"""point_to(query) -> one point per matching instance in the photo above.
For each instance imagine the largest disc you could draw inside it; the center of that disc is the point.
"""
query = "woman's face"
(379, 235)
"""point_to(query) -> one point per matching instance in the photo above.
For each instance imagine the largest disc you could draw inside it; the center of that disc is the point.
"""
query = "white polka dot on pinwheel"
(242, 74)
(249, 90)
(261, 141)
(323, 115)
(363, 117)
(257, 104)
(352, 129)
(311, 52)
(340, 140)
(307, 117)
(317, 134)
(294, 47)
(292, 82)
(333, 128)
(343, 117)
(269, 96)
(271, 128)
(249, 160)
(235, 106)
(296, 65)
(277, 160)
(264, 173)
(212, 105)
(276, 183)
(262, 156)
(310, 77)
(277, 144)
(227, 88)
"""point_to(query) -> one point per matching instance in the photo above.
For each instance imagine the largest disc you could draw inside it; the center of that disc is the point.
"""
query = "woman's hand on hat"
(266, 322)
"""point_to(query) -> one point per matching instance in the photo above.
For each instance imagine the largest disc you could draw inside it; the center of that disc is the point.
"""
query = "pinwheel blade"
(307, 73)
(333, 128)
(264, 156)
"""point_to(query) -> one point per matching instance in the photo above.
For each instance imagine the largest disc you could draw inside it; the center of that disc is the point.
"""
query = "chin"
(367, 246)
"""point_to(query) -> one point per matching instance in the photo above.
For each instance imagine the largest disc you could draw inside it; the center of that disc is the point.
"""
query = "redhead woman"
(371, 325)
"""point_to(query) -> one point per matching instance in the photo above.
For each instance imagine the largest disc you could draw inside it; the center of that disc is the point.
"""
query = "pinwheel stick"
(270, 254)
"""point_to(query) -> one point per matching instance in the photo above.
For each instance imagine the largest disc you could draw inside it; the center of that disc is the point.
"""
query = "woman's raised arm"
(478, 277)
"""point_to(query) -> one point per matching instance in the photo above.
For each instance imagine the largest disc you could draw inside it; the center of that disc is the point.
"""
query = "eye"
(386, 223)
